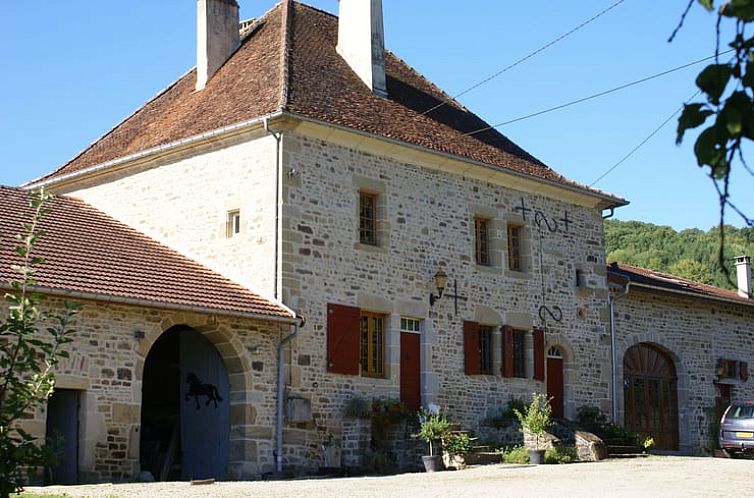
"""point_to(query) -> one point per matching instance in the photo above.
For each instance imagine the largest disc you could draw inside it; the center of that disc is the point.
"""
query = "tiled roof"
(288, 63)
(90, 254)
(619, 272)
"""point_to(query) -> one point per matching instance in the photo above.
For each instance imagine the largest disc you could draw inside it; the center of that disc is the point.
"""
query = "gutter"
(278, 453)
(94, 296)
(217, 133)
(611, 200)
(613, 367)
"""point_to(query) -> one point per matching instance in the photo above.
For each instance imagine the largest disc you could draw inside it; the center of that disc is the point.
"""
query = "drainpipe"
(278, 195)
(281, 393)
(614, 373)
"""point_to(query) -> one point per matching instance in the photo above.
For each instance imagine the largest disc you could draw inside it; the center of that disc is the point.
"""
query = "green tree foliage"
(31, 345)
(691, 254)
(727, 109)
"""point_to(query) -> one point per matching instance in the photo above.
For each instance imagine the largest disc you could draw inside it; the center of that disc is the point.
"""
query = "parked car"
(737, 429)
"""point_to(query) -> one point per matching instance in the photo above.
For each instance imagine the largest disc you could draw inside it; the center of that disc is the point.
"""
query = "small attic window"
(233, 223)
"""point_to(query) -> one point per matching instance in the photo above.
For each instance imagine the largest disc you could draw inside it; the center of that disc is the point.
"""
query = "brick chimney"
(217, 37)
(743, 272)
(361, 41)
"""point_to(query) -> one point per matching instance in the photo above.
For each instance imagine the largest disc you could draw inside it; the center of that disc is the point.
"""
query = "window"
(514, 248)
(368, 218)
(482, 244)
(519, 353)
(514, 352)
(485, 350)
(580, 279)
(372, 343)
(411, 325)
(233, 223)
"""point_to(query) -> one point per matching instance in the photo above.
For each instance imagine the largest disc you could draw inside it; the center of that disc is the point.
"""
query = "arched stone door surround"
(237, 364)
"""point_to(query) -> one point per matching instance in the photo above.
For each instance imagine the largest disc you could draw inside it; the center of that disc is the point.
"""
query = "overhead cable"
(596, 95)
(523, 59)
(649, 137)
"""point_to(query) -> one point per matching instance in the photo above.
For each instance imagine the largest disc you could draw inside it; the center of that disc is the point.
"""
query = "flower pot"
(536, 457)
(432, 463)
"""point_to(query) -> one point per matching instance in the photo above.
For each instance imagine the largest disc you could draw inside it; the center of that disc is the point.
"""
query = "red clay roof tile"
(88, 252)
(619, 272)
(289, 63)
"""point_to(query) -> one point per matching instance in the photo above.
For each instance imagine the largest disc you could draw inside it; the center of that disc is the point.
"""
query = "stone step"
(483, 458)
(624, 450)
(627, 455)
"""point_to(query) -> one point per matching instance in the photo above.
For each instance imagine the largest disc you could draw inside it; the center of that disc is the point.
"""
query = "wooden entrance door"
(555, 381)
(63, 436)
(650, 395)
(204, 409)
(410, 370)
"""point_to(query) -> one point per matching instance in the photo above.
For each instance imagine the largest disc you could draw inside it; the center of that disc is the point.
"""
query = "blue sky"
(72, 69)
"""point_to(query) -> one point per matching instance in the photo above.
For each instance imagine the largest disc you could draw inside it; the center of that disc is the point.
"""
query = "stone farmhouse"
(683, 352)
(304, 219)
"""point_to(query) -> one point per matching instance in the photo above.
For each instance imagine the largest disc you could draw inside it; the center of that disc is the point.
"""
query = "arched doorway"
(185, 417)
(650, 395)
(555, 381)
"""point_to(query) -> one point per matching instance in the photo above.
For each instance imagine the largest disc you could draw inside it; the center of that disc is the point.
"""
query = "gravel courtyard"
(656, 476)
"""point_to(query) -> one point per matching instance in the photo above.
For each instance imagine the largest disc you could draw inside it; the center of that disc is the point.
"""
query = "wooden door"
(204, 409)
(410, 370)
(650, 395)
(63, 436)
(555, 381)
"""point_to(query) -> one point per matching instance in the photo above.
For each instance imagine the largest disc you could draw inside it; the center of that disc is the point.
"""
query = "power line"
(596, 95)
(649, 137)
(524, 59)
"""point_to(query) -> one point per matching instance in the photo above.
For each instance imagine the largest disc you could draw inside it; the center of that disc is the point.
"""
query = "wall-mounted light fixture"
(440, 280)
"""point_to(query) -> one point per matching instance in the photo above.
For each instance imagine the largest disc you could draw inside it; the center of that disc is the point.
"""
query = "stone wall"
(695, 333)
(426, 223)
(183, 201)
(106, 365)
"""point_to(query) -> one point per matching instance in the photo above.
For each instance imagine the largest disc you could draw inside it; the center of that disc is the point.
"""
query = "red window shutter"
(471, 358)
(343, 339)
(507, 351)
(539, 354)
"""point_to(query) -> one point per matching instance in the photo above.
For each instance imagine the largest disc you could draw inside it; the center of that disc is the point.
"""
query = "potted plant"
(455, 446)
(433, 427)
(535, 420)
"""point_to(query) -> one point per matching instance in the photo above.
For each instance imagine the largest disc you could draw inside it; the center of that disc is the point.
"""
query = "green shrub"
(434, 427)
(357, 407)
(516, 454)
(536, 418)
(561, 454)
(457, 443)
(508, 414)
(590, 415)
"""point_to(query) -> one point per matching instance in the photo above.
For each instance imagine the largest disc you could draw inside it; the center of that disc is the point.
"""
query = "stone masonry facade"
(106, 366)
(695, 333)
(425, 223)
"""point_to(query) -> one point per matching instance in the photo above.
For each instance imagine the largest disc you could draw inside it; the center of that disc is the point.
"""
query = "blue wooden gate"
(204, 409)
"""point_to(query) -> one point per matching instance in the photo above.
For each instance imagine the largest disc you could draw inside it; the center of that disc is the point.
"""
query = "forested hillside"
(691, 253)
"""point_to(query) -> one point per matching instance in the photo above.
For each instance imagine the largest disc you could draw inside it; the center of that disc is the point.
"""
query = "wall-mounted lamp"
(440, 280)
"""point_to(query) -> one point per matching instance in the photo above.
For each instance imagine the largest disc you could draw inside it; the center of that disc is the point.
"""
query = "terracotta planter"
(432, 463)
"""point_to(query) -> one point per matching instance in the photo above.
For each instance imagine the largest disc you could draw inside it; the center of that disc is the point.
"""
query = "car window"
(741, 412)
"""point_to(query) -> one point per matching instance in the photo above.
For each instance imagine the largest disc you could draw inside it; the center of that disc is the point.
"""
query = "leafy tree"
(691, 254)
(693, 270)
(31, 345)
(727, 109)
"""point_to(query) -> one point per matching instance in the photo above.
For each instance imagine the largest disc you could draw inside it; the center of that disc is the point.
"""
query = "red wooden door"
(555, 384)
(410, 373)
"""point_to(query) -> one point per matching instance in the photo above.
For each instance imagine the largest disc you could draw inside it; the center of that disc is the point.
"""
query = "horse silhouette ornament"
(197, 388)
